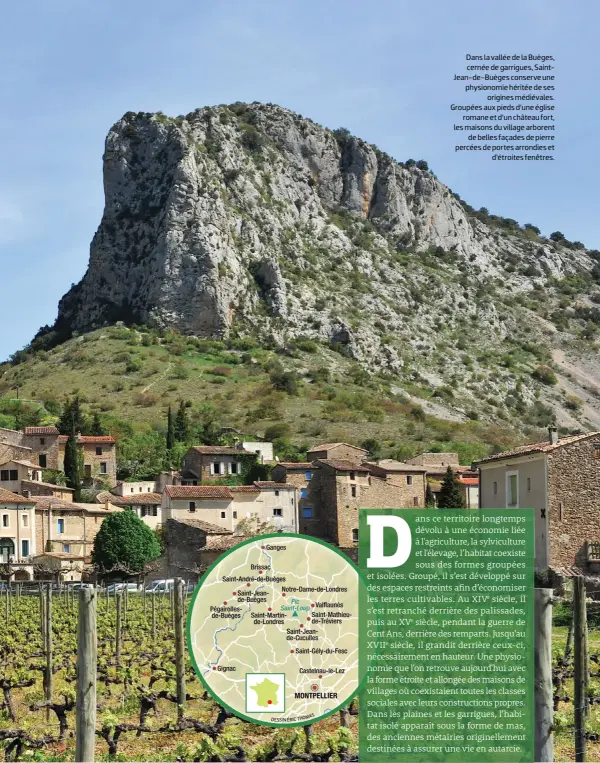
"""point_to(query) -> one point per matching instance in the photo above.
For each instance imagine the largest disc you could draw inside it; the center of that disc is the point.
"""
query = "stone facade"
(129, 489)
(339, 450)
(443, 460)
(60, 492)
(99, 458)
(212, 462)
(63, 527)
(17, 527)
(573, 497)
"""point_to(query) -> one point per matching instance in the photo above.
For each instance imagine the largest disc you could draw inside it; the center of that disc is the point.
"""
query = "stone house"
(124, 488)
(59, 567)
(226, 506)
(17, 533)
(148, 507)
(338, 450)
(99, 457)
(209, 462)
(264, 450)
(65, 527)
(25, 478)
(437, 464)
(45, 447)
(559, 480)
(332, 491)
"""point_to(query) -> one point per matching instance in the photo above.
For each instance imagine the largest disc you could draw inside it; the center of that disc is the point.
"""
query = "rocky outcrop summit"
(252, 219)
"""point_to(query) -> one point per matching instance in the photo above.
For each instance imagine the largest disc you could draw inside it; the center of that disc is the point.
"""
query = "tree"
(170, 430)
(254, 525)
(181, 425)
(373, 446)
(72, 418)
(429, 497)
(450, 495)
(72, 466)
(422, 165)
(124, 540)
(557, 236)
(96, 428)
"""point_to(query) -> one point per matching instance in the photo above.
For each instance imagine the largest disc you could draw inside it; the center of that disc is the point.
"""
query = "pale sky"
(384, 70)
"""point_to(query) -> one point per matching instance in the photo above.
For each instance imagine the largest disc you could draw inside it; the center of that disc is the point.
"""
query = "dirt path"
(158, 379)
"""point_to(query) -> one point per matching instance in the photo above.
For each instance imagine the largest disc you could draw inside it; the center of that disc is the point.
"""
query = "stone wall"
(44, 445)
(341, 452)
(80, 529)
(573, 501)
(435, 459)
(43, 488)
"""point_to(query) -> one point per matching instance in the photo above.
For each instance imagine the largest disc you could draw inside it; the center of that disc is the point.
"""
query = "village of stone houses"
(205, 506)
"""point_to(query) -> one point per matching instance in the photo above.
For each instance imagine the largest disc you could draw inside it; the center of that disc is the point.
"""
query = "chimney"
(106, 505)
(553, 434)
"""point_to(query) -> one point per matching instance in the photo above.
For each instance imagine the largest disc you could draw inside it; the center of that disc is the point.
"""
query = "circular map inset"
(273, 630)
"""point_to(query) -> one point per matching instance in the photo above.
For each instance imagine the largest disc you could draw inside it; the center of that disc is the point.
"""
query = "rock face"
(252, 219)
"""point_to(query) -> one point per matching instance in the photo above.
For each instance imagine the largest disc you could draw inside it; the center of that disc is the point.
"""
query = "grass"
(133, 376)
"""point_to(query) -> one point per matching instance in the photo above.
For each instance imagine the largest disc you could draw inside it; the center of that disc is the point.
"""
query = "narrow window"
(304, 492)
(140, 490)
(234, 468)
(5, 520)
(66, 548)
(14, 475)
(353, 491)
(409, 479)
(223, 514)
(276, 493)
(192, 505)
(561, 513)
(307, 512)
(61, 525)
(25, 520)
(98, 451)
(103, 469)
(234, 514)
(4, 475)
(308, 476)
(352, 475)
(277, 512)
(132, 490)
(528, 484)
(512, 490)
(217, 467)
(42, 440)
(24, 548)
(355, 535)
(495, 488)
(416, 501)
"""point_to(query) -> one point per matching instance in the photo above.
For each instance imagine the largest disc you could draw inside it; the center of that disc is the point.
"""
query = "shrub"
(278, 431)
(219, 371)
(545, 375)
(145, 400)
(286, 381)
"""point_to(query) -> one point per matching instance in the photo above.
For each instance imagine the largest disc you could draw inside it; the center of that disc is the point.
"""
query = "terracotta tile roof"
(48, 484)
(219, 450)
(537, 447)
(302, 465)
(29, 464)
(391, 465)
(199, 492)
(136, 499)
(223, 542)
(7, 497)
(244, 489)
(44, 502)
(343, 466)
(275, 485)
(468, 480)
(200, 524)
(90, 439)
(40, 430)
(328, 445)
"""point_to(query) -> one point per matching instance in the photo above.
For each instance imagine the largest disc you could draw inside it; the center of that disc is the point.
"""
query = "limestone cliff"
(253, 219)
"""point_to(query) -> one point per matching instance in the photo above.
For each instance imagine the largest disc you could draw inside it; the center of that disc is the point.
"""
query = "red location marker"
(314, 687)
(260, 572)
(291, 651)
(248, 584)
(284, 594)
(301, 625)
(269, 702)
(214, 668)
(269, 609)
(234, 593)
(308, 618)
(312, 605)
(262, 547)
(320, 676)
(224, 602)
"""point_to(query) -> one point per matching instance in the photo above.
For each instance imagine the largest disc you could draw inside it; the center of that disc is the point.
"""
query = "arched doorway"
(7, 549)
(21, 575)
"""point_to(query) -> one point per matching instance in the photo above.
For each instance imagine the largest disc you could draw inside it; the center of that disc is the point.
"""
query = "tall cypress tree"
(181, 424)
(429, 497)
(450, 495)
(170, 430)
(96, 427)
(72, 418)
(72, 466)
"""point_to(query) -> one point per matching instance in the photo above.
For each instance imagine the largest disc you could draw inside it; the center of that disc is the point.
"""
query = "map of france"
(273, 630)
